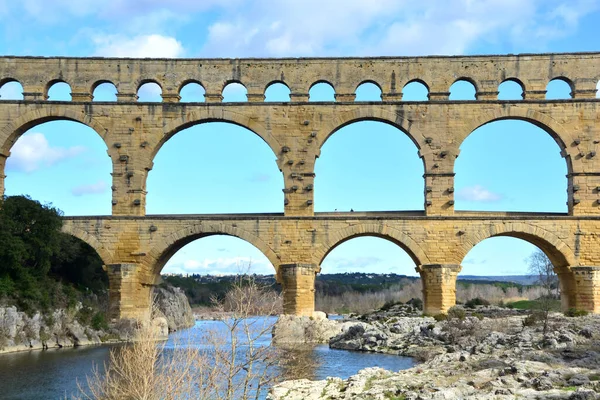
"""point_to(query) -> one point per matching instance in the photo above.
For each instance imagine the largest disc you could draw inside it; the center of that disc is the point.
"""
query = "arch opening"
(11, 90)
(598, 90)
(363, 272)
(105, 91)
(368, 91)
(515, 267)
(389, 175)
(149, 92)
(192, 92)
(511, 89)
(511, 165)
(415, 91)
(463, 89)
(195, 261)
(277, 92)
(63, 163)
(59, 91)
(321, 91)
(234, 92)
(214, 167)
(559, 89)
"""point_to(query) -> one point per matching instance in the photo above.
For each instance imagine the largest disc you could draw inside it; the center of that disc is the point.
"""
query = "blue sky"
(66, 163)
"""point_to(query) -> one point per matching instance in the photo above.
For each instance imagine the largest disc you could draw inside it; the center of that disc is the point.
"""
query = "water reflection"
(54, 374)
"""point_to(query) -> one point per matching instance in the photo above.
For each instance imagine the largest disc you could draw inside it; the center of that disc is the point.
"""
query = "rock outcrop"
(175, 307)
(467, 357)
(60, 328)
(290, 329)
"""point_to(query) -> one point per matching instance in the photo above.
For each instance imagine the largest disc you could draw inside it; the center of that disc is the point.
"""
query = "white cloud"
(94, 188)
(387, 27)
(221, 266)
(32, 151)
(155, 46)
(477, 193)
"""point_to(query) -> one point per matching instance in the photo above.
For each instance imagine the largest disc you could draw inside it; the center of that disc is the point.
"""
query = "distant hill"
(200, 288)
(519, 279)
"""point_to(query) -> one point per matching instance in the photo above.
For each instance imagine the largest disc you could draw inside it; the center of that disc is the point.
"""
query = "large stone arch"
(557, 131)
(373, 113)
(339, 236)
(90, 240)
(217, 114)
(170, 244)
(561, 255)
(11, 132)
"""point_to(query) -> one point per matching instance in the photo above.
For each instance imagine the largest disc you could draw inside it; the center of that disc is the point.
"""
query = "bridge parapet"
(391, 74)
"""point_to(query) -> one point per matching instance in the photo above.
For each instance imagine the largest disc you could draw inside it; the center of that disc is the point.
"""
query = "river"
(53, 374)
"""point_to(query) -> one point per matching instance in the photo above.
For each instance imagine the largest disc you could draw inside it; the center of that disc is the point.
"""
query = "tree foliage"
(40, 267)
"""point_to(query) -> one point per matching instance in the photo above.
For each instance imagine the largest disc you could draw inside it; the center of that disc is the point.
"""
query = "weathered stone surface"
(175, 307)
(135, 247)
(470, 359)
(292, 329)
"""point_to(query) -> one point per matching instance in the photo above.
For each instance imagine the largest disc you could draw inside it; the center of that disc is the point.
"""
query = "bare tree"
(232, 362)
(541, 267)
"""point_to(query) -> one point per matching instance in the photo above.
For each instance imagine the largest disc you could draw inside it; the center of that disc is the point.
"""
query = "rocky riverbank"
(499, 356)
(65, 327)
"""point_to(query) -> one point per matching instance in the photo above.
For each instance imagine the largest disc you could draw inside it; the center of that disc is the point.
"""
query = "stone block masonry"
(135, 247)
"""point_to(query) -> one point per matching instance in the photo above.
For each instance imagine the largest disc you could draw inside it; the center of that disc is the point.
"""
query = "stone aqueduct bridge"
(135, 246)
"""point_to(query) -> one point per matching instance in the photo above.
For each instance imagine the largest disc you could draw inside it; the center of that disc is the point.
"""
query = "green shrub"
(99, 321)
(389, 304)
(457, 312)
(477, 301)
(573, 312)
(440, 317)
(534, 318)
(416, 303)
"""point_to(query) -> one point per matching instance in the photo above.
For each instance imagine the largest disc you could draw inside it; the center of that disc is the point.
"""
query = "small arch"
(598, 90)
(415, 90)
(234, 92)
(463, 89)
(277, 91)
(169, 245)
(11, 89)
(559, 89)
(104, 91)
(149, 91)
(59, 91)
(339, 236)
(511, 89)
(321, 91)
(192, 92)
(368, 91)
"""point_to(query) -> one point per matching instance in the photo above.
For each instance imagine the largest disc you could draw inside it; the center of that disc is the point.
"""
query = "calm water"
(54, 374)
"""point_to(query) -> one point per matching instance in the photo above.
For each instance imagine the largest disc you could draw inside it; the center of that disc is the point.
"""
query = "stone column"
(439, 286)
(129, 293)
(298, 97)
(568, 290)
(345, 97)
(298, 282)
(123, 97)
(3, 158)
(587, 288)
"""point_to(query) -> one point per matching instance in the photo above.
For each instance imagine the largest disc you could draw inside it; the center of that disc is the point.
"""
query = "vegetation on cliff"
(42, 268)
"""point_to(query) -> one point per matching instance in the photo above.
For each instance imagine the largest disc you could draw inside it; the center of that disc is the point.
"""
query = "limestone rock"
(175, 307)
